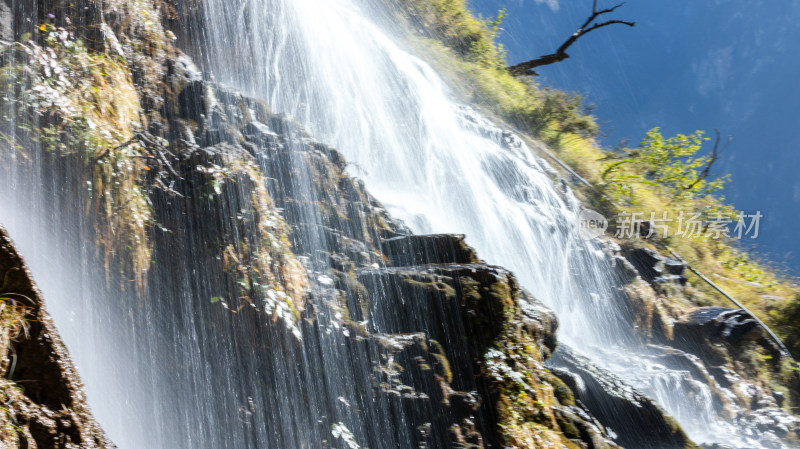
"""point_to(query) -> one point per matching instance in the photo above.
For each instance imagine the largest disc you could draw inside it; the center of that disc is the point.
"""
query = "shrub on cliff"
(672, 165)
(470, 50)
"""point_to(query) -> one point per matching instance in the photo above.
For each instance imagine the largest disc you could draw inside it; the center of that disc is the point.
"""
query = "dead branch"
(526, 68)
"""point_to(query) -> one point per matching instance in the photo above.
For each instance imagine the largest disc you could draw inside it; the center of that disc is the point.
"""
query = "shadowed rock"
(718, 323)
(44, 403)
(428, 249)
(619, 406)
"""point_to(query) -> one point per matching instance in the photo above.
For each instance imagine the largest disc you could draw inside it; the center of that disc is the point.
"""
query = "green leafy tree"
(672, 164)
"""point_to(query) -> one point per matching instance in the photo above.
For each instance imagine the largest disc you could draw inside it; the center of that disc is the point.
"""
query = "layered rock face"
(246, 233)
(448, 343)
(43, 400)
(297, 260)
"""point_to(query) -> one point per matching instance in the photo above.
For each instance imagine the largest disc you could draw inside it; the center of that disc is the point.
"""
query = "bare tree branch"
(526, 68)
(714, 156)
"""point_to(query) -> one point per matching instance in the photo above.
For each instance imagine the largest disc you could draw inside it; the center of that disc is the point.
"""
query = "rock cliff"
(44, 405)
(284, 253)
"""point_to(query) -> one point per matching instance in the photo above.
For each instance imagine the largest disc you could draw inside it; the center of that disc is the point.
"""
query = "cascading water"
(163, 372)
(442, 168)
(435, 164)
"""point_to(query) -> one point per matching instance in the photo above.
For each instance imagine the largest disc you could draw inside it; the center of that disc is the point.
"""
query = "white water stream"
(438, 166)
(435, 164)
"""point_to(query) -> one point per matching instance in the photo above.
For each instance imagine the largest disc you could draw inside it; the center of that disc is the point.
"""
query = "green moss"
(451, 22)
(349, 283)
(501, 294)
(470, 290)
(432, 285)
(561, 391)
(568, 427)
(441, 359)
(526, 392)
(679, 434)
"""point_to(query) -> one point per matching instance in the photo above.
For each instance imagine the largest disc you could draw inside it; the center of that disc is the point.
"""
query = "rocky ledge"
(458, 347)
(43, 399)
(299, 261)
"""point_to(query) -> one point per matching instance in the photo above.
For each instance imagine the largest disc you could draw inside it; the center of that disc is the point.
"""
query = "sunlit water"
(153, 375)
(440, 167)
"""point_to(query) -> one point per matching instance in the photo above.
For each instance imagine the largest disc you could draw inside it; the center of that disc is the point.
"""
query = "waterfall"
(442, 168)
(157, 371)
(437, 165)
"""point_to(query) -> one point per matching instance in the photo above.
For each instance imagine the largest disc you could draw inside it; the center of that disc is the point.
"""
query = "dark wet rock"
(617, 405)
(6, 23)
(733, 326)
(539, 321)
(428, 249)
(259, 132)
(455, 299)
(654, 268)
(674, 266)
(624, 268)
(646, 261)
(184, 67)
(780, 398)
(490, 340)
(417, 376)
(724, 376)
(580, 426)
(193, 101)
(44, 404)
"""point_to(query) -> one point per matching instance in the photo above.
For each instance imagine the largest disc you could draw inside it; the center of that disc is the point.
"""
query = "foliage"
(563, 111)
(256, 257)
(82, 105)
(665, 175)
(786, 319)
(671, 164)
(463, 46)
(451, 22)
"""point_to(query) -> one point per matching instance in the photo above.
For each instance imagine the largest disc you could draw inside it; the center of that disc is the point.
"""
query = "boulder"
(654, 268)
(717, 324)
(637, 420)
